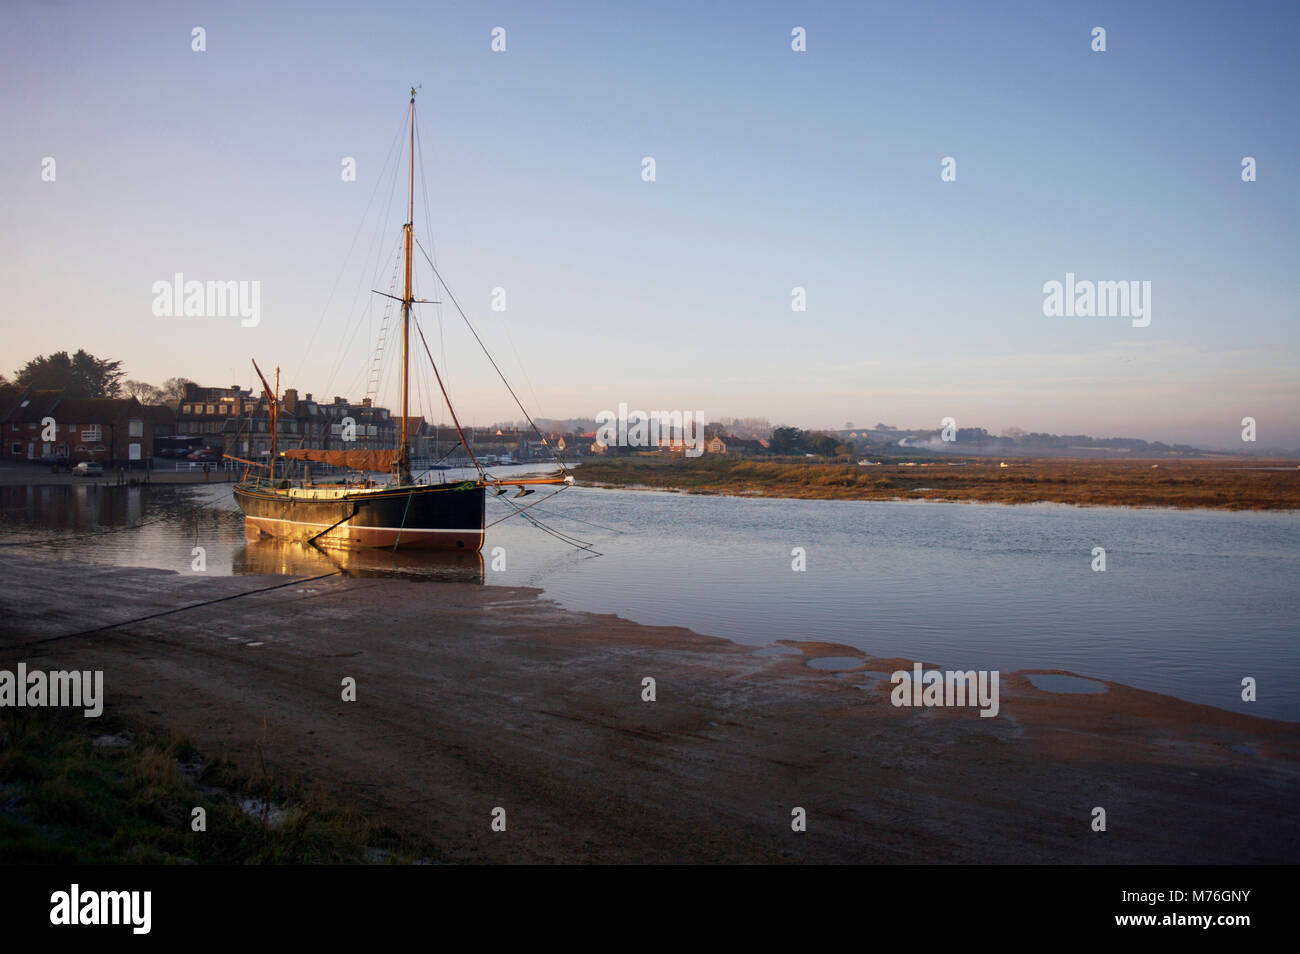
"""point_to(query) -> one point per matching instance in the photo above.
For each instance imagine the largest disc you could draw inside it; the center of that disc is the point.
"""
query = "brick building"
(38, 424)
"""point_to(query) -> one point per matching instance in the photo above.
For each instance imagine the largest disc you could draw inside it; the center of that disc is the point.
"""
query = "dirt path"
(473, 697)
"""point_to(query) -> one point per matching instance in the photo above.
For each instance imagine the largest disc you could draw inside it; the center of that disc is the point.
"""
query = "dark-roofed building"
(21, 418)
(204, 412)
(104, 429)
(735, 446)
(43, 424)
(162, 421)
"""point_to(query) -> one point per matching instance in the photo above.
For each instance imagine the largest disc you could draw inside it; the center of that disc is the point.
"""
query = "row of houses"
(235, 421)
(45, 424)
(675, 446)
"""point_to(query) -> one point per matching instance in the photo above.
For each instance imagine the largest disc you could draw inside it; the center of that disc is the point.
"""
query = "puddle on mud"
(1056, 682)
(835, 663)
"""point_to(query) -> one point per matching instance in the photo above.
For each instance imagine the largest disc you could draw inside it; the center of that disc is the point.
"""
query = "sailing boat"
(399, 514)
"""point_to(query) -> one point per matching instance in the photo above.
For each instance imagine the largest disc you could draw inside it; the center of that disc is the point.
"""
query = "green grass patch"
(64, 799)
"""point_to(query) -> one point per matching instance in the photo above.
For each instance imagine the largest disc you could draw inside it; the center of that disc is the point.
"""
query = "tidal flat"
(471, 698)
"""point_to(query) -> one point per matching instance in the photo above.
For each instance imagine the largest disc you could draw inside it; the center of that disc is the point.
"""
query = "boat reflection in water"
(271, 556)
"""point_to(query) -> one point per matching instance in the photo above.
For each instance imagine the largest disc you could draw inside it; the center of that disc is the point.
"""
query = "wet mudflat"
(470, 698)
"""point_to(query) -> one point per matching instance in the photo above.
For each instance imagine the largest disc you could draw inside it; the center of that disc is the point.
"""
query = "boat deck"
(333, 491)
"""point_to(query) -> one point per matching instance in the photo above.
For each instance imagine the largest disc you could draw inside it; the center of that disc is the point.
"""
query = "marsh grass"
(66, 800)
(1217, 484)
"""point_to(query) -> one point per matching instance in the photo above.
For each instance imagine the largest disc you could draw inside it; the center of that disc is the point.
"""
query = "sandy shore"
(472, 697)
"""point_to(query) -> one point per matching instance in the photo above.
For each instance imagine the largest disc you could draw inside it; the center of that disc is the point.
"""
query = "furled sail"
(378, 460)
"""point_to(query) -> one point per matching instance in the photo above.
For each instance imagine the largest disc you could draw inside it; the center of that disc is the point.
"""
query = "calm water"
(1191, 601)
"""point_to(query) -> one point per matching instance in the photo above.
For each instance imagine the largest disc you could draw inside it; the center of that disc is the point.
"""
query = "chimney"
(308, 397)
(291, 400)
(365, 402)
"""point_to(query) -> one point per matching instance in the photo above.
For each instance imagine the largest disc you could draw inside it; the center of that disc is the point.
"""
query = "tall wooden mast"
(404, 465)
(275, 421)
(272, 409)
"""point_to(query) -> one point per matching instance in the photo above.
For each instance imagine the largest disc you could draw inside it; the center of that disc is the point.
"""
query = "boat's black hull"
(438, 517)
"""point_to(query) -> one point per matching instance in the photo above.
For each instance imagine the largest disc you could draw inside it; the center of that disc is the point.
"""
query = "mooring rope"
(180, 609)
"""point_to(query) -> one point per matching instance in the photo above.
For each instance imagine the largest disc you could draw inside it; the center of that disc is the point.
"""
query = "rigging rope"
(454, 420)
(545, 443)
(351, 247)
(520, 510)
(559, 535)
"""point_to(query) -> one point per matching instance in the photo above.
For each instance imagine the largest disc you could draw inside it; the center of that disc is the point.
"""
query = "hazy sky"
(774, 169)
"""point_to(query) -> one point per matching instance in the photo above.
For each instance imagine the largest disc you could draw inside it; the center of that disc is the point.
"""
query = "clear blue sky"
(775, 169)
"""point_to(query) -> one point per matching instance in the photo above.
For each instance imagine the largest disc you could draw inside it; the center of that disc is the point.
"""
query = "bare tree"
(173, 390)
(143, 392)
